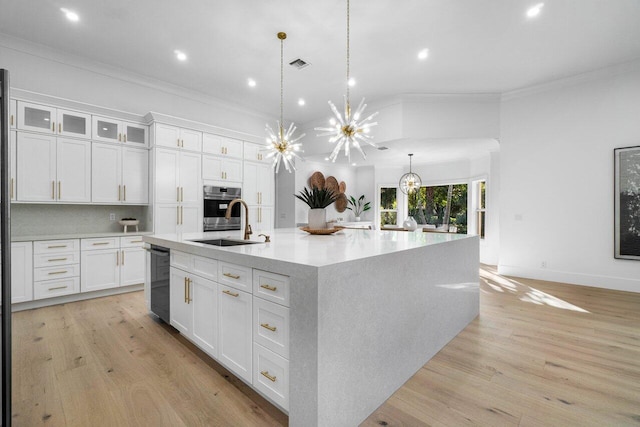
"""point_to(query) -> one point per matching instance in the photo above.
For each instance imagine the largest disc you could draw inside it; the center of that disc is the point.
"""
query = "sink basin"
(225, 242)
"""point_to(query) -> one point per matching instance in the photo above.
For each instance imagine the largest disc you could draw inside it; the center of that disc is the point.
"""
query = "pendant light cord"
(348, 28)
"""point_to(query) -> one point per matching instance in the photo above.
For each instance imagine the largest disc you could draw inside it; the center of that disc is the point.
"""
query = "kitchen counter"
(368, 308)
(76, 236)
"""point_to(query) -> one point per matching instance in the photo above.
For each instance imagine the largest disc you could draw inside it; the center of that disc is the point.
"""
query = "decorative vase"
(357, 219)
(317, 219)
(410, 223)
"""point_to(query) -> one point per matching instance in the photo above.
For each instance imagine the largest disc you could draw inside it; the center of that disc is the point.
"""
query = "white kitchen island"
(367, 309)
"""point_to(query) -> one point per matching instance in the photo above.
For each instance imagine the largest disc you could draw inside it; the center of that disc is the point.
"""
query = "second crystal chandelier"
(349, 130)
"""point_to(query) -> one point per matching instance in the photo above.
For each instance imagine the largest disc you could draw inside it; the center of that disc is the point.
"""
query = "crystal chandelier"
(281, 145)
(349, 130)
(410, 182)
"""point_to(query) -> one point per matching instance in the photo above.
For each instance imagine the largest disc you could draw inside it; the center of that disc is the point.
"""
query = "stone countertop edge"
(68, 236)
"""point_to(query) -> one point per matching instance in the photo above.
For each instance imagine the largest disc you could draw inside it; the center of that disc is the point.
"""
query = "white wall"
(556, 201)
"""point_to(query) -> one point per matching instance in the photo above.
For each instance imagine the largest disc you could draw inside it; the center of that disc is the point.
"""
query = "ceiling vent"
(382, 148)
(299, 64)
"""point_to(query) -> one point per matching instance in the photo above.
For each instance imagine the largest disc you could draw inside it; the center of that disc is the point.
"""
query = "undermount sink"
(225, 242)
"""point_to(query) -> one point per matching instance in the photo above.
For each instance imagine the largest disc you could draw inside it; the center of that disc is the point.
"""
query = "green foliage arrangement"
(359, 206)
(317, 198)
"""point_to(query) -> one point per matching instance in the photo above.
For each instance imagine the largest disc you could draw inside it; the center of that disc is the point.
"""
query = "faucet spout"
(247, 226)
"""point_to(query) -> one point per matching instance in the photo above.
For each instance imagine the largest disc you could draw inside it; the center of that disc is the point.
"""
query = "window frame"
(379, 204)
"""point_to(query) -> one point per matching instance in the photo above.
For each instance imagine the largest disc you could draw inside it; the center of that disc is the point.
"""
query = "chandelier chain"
(281, 81)
(348, 28)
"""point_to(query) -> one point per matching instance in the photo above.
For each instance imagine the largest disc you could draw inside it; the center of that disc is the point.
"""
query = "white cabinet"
(261, 218)
(56, 268)
(100, 269)
(51, 120)
(52, 169)
(21, 272)
(181, 314)
(235, 332)
(174, 137)
(112, 262)
(119, 174)
(222, 146)
(12, 164)
(117, 131)
(259, 184)
(271, 375)
(132, 266)
(255, 153)
(13, 119)
(221, 169)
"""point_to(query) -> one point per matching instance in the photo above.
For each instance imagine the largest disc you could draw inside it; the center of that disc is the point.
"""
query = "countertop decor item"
(281, 145)
(341, 203)
(331, 183)
(351, 129)
(410, 223)
(317, 199)
(321, 231)
(410, 182)
(317, 180)
(358, 206)
(127, 222)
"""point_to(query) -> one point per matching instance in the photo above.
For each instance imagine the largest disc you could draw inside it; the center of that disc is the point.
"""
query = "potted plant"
(358, 206)
(317, 199)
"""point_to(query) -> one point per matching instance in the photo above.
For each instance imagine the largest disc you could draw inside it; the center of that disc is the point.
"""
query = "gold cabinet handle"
(231, 293)
(221, 150)
(181, 215)
(12, 120)
(119, 187)
(269, 288)
(177, 194)
(178, 215)
(269, 327)
(136, 241)
(271, 378)
(59, 190)
(53, 190)
(11, 196)
(124, 137)
(53, 127)
(56, 259)
(185, 290)
(124, 193)
(182, 194)
(119, 137)
(233, 276)
(189, 281)
(118, 258)
(57, 272)
(222, 175)
(56, 246)
(58, 287)
(100, 243)
(122, 261)
(59, 127)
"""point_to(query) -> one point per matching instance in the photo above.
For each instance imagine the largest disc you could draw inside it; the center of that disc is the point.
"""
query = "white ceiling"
(476, 46)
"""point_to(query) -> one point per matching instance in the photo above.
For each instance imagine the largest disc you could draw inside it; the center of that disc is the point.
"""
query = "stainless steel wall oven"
(216, 201)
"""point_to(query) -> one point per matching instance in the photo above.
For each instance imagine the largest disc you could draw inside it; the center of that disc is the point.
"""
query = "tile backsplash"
(34, 219)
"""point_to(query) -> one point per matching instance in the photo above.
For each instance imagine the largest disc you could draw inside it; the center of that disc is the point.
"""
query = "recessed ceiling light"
(534, 11)
(180, 55)
(423, 54)
(251, 82)
(326, 158)
(301, 102)
(70, 14)
(351, 82)
(353, 164)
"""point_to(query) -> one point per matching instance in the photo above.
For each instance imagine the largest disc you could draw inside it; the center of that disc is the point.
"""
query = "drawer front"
(56, 246)
(271, 375)
(51, 273)
(204, 267)
(56, 288)
(271, 326)
(49, 260)
(131, 242)
(180, 260)
(235, 276)
(98, 244)
(271, 286)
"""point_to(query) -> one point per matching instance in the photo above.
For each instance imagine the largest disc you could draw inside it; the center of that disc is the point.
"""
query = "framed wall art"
(627, 202)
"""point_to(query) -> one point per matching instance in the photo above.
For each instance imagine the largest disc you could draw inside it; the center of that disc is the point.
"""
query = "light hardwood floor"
(540, 353)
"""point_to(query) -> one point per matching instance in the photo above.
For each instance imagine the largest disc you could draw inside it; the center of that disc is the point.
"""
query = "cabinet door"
(261, 218)
(132, 266)
(135, 176)
(250, 183)
(73, 170)
(13, 119)
(180, 309)
(166, 218)
(233, 148)
(212, 144)
(12, 164)
(266, 184)
(234, 331)
(38, 118)
(106, 130)
(190, 140)
(232, 170)
(212, 168)
(205, 314)
(36, 167)
(190, 219)
(167, 182)
(21, 272)
(166, 136)
(99, 270)
(189, 178)
(135, 134)
(106, 173)
(73, 123)
(254, 153)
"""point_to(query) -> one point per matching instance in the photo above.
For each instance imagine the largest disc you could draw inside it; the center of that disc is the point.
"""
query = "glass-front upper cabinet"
(46, 119)
(112, 130)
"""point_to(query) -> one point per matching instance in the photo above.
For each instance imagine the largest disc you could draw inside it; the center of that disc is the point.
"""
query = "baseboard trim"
(28, 305)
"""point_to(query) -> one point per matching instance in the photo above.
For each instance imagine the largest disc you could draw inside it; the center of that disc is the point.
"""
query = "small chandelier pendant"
(410, 182)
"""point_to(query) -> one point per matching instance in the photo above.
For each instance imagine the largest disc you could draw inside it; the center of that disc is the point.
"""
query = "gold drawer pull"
(57, 287)
(233, 276)
(100, 243)
(136, 241)
(269, 288)
(269, 327)
(56, 246)
(230, 293)
(56, 259)
(58, 272)
(271, 378)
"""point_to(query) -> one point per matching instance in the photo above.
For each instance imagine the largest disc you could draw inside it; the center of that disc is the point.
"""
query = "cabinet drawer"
(131, 242)
(49, 260)
(271, 286)
(235, 275)
(60, 272)
(55, 288)
(271, 326)
(204, 267)
(56, 246)
(97, 244)
(180, 260)
(271, 375)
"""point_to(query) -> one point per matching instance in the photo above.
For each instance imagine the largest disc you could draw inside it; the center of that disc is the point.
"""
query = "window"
(444, 206)
(388, 206)
(481, 190)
